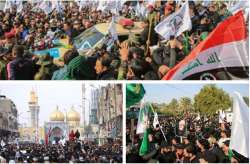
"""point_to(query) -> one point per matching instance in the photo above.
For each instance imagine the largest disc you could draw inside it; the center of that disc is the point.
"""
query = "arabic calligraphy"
(192, 65)
(212, 59)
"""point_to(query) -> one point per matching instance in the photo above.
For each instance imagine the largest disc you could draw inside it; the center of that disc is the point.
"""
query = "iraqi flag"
(225, 47)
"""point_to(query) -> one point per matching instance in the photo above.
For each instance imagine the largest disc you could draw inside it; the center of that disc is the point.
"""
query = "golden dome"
(73, 115)
(56, 115)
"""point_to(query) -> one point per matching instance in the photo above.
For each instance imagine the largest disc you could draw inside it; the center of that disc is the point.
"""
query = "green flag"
(143, 119)
(144, 149)
(134, 94)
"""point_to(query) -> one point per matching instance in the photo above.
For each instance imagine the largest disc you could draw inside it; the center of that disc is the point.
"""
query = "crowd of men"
(29, 30)
(189, 139)
(71, 152)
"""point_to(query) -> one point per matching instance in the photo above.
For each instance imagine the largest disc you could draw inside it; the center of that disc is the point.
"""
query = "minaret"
(34, 112)
(83, 105)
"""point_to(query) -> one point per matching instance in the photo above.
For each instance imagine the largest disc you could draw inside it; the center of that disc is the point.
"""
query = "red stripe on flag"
(230, 30)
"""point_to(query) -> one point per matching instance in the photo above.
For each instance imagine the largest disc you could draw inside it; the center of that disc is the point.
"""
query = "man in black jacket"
(103, 68)
(144, 34)
(20, 68)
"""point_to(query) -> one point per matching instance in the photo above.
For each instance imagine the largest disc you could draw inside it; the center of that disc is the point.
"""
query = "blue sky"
(163, 93)
(50, 94)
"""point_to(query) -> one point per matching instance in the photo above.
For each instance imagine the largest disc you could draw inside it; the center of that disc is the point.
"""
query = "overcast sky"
(164, 93)
(50, 94)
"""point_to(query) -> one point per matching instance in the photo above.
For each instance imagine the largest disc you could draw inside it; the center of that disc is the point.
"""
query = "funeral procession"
(124, 40)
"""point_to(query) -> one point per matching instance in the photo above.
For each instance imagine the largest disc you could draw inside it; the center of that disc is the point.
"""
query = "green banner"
(134, 94)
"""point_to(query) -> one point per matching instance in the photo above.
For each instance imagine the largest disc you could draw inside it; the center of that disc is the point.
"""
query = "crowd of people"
(197, 140)
(29, 30)
(72, 152)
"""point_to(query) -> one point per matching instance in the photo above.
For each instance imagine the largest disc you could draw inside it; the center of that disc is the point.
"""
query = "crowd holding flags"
(239, 140)
(136, 95)
(195, 31)
(224, 47)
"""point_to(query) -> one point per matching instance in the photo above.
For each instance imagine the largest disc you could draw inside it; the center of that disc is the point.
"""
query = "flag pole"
(132, 130)
(149, 33)
(159, 124)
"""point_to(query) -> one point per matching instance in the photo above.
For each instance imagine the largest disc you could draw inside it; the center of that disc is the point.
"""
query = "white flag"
(176, 23)
(156, 121)
(221, 116)
(2, 143)
(46, 6)
(114, 6)
(140, 10)
(143, 119)
(81, 4)
(57, 5)
(239, 140)
(8, 5)
(19, 5)
(242, 4)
